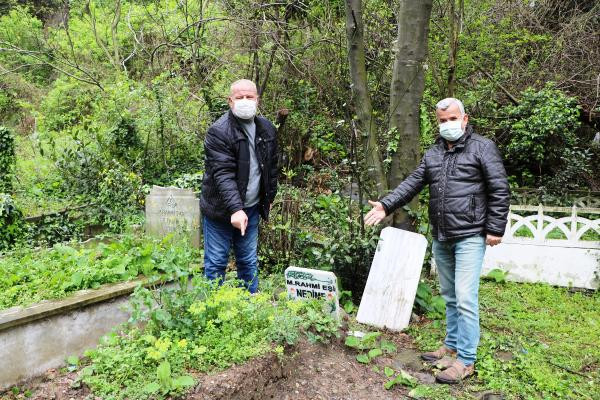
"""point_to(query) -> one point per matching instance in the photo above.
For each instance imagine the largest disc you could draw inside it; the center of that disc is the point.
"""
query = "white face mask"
(451, 130)
(244, 108)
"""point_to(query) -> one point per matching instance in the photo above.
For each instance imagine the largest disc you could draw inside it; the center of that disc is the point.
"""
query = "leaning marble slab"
(393, 279)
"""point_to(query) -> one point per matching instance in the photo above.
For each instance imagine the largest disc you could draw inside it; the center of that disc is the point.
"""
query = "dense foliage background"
(101, 99)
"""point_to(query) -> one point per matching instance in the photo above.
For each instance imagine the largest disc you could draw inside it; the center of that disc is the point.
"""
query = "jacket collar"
(239, 131)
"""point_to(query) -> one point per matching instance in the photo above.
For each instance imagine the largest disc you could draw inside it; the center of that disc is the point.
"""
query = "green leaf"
(163, 373)
(73, 360)
(388, 347)
(75, 281)
(151, 387)
(389, 384)
(496, 275)
(349, 307)
(183, 381)
(388, 371)
(407, 379)
(421, 391)
(369, 339)
(352, 341)
(376, 352)
(404, 378)
(363, 358)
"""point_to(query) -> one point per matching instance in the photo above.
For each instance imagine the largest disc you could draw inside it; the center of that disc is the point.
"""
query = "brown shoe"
(445, 362)
(438, 354)
(455, 373)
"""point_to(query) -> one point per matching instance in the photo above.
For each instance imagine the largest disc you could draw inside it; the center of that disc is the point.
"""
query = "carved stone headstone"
(305, 283)
(170, 209)
(393, 279)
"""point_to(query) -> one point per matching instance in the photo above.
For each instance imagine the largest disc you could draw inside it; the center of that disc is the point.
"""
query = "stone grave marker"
(171, 209)
(393, 279)
(305, 283)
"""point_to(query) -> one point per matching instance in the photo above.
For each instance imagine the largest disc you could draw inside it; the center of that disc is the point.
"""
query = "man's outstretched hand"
(239, 220)
(376, 215)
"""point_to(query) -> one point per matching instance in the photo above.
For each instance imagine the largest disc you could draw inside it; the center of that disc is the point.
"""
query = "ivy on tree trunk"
(7, 159)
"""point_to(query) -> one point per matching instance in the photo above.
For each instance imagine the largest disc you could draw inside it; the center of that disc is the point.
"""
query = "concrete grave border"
(39, 337)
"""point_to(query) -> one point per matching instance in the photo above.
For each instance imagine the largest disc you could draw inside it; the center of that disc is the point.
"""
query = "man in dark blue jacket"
(239, 185)
(468, 208)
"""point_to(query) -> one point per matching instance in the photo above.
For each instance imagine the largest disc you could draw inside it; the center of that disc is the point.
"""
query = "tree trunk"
(113, 29)
(455, 21)
(406, 93)
(362, 99)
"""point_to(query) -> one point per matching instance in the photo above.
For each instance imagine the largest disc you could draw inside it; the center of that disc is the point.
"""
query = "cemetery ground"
(537, 342)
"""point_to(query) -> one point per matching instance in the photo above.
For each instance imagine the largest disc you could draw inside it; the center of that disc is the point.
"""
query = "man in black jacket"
(468, 208)
(239, 185)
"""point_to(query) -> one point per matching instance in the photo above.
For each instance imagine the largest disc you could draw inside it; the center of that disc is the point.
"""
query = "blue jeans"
(218, 238)
(459, 267)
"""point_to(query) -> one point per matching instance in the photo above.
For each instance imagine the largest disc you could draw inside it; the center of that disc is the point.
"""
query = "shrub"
(11, 222)
(322, 232)
(540, 127)
(120, 192)
(7, 160)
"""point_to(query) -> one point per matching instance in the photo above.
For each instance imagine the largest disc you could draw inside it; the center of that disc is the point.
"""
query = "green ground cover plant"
(197, 327)
(30, 275)
(537, 342)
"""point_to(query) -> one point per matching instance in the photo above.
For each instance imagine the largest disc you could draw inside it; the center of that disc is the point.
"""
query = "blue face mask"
(451, 130)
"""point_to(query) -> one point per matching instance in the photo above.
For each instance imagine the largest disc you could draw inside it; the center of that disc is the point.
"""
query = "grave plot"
(555, 245)
(305, 371)
(58, 302)
(28, 276)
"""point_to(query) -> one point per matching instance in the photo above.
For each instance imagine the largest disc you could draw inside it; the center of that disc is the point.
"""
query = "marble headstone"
(306, 283)
(170, 209)
(393, 279)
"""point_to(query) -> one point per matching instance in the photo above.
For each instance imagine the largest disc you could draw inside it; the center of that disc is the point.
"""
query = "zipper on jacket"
(472, 208)
(454, 163)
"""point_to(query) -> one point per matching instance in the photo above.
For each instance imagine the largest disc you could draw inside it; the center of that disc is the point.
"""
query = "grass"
(29, 276)
(537, 342)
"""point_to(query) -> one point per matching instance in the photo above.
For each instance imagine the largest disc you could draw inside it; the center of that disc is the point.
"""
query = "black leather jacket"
(468, 189)
(227, 167)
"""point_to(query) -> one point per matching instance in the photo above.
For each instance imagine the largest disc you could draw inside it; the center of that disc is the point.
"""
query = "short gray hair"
(241, 82)
(447, 102)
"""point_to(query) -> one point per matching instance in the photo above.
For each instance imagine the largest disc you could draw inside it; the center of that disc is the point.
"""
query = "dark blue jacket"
(227, 167)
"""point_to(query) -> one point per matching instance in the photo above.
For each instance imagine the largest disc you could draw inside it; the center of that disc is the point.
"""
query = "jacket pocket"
(472, 208)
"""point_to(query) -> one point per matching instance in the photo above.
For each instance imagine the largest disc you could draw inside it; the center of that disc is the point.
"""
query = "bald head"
(242, 85)
(243, 99)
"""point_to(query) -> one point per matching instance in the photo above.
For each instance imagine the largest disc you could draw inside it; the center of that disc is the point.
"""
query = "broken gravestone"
(391, 287)
(305, 283)
(173, 210)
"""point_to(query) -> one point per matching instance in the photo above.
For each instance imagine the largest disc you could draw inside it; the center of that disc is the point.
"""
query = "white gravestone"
(173, 210)
(305, 283)
(391, 287)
